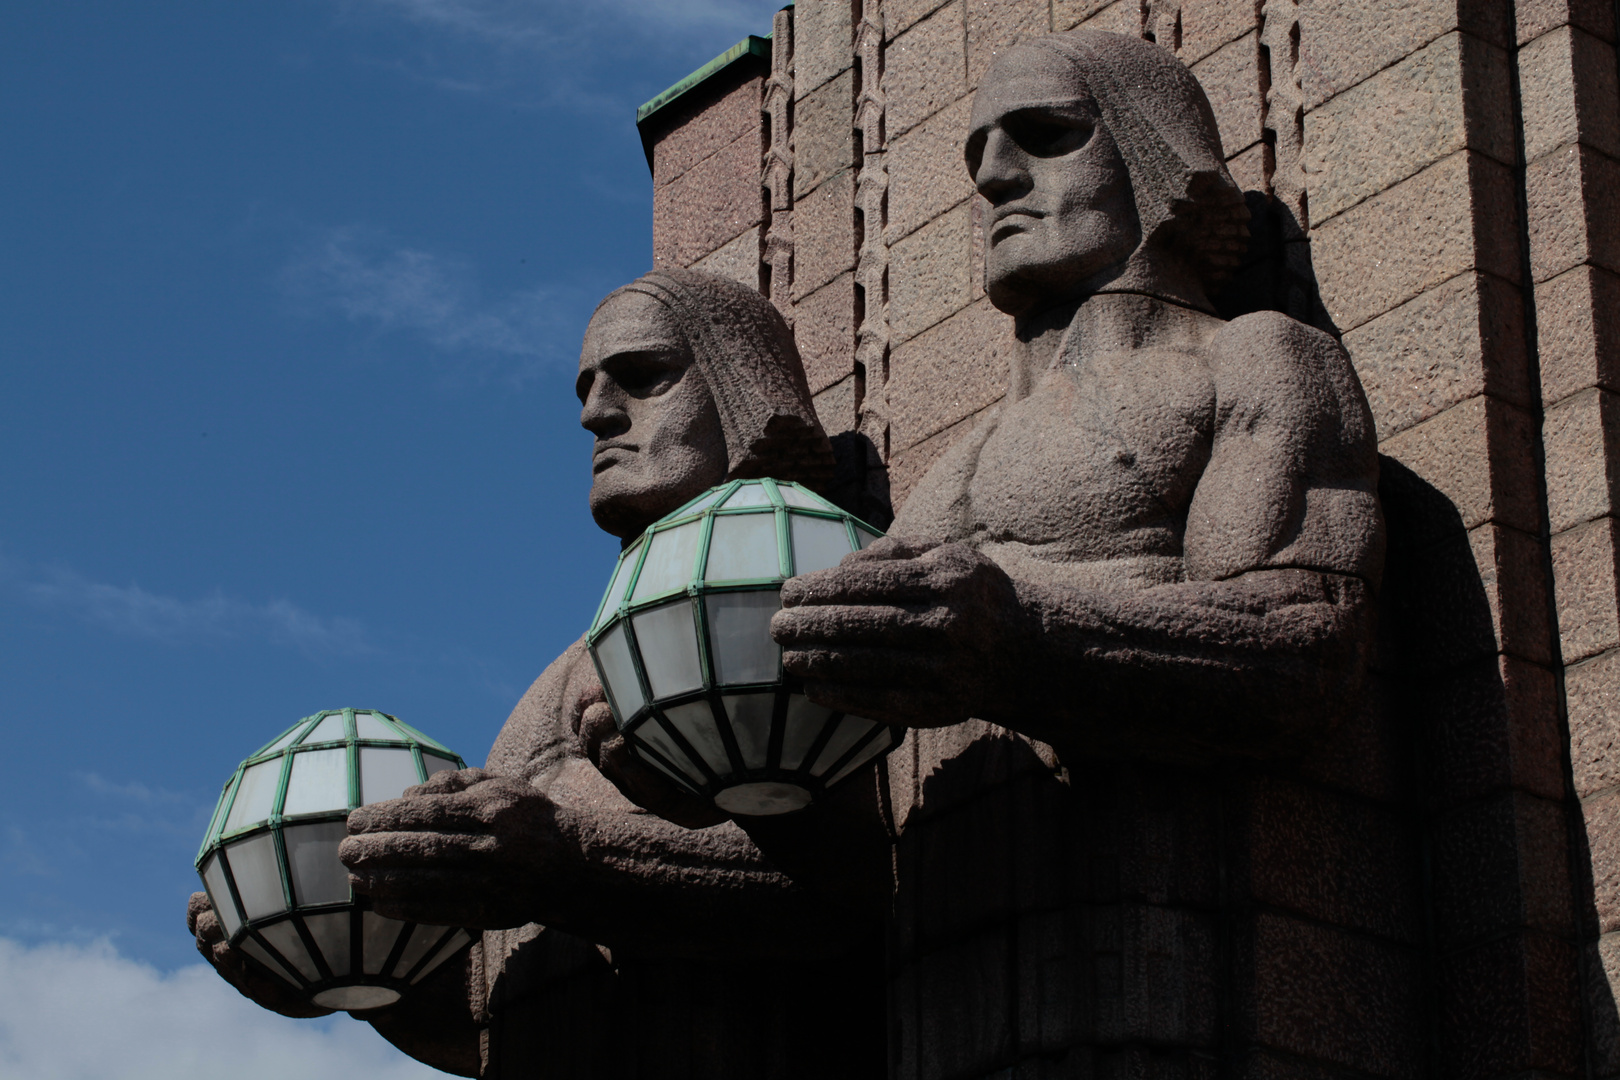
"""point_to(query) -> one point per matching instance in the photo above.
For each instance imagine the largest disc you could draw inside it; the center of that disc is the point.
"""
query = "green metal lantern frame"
(617, 610)
(370, 980)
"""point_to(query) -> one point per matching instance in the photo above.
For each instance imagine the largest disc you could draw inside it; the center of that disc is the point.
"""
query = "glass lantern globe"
(269, 860)
(682, 644)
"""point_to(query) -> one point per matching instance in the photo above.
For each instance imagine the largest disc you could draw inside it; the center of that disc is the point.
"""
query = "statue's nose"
(1002, 174)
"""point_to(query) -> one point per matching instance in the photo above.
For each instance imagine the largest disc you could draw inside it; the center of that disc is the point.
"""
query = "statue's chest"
(1100, 460)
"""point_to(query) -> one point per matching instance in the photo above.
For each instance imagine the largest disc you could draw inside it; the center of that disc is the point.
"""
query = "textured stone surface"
(713, 202)
(1344, 42)
(824, 234)
(995, 25)
(738, 260)
(1478, 454)
(1407, 117)
(1578, 328)
(1573, 216)
(1602, 992)
(1592, 693)
(926, 172)
(926, 69)
(1119, 17)
(1501, 864)
(835, 406)
(1461, 338)
(695, 132)
(901, 15)
(1569, 88)
(1536, 17)
(823, 143)
(1231, 78)
(1453, 216)
(822, 34)
(948, 372)
(1512, 569)
(929, 273)
(1337, 997)
(1495, 725)
(1584, 575)
(1602, 815)
(909, 465)
(1508, 1007)
(1206, 25)
(825, 329)
(1581, 435)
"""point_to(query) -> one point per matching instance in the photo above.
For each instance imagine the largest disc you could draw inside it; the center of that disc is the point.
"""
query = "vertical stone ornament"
(872, 257)
(777, 248)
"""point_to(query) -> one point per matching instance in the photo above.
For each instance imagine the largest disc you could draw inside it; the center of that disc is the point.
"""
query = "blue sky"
(291, 295)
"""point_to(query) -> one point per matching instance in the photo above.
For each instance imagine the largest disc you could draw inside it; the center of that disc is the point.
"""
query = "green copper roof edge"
(752, 45)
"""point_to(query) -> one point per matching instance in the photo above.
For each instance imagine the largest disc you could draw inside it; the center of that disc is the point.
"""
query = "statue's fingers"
(887, 548)
(853, 625)
(898, 581)
(413, 852)
(429, 812)
(866, 665)
(909, 707)
(448, 782)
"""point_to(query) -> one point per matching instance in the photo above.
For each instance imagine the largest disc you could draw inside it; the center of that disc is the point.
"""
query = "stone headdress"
(747, 355)
(1162, 123)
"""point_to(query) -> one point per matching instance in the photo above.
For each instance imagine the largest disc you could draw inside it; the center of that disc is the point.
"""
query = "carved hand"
(643, 785)
(911, 632)
(235, 968)
(464, 849)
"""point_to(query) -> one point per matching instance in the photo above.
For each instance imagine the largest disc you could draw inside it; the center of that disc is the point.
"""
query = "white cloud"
(135, 612)
(83, 1012)
(406, 289)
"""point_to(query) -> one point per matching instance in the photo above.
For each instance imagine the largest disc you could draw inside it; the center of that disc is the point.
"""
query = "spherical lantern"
(682, 643)
(270, 863)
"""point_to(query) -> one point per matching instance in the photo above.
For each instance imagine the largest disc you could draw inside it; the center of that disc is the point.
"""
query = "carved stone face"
(1063, 217)
(659, 441)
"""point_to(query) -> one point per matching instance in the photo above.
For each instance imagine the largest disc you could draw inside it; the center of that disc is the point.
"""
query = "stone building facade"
(1436, 892)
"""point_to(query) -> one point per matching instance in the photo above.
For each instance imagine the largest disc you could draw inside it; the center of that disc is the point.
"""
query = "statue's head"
(1102, 163)
(688, 380)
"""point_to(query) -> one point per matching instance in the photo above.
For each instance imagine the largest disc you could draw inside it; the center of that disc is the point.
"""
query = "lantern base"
(762, 799)
(356, 997)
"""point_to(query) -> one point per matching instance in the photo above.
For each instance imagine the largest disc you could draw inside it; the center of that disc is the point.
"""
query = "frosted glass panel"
(743, 546)
(703, 502)
(446, 951)
(649, 760)
(437, 764)
(669, 561)
(866, 538)
(866, 754)
(327, 730)
(656, 737)
(262, 955)
(797, 496)
(368, 725)
(219, 895)
(805, 719)
(695, 722)
(818, 543)
(749, 495)
(423, 938)
(258, 876)
(254, 794)
(319, 781)
(287, 942)
(317, 875)
(621, 581)
(613, 654)
(331, 933)
(740, 635)
(751, 725)
(284, 740)
(851, 729)
(667, 637)
(378, 941)
(385, 773)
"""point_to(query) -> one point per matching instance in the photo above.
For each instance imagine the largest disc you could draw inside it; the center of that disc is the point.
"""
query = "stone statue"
(713, 962)
(1157, 558)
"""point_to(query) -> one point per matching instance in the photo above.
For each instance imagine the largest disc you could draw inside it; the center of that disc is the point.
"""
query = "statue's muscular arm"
(542, 836)
(1262, 644)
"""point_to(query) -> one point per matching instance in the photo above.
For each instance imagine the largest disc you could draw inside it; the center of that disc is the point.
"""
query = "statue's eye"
(645, 373)
(1042, 134)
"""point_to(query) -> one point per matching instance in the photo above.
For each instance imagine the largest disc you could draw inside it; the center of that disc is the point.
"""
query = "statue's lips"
(609, 456)
(1010, 221)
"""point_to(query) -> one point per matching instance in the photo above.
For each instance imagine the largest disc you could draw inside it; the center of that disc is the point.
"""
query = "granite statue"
(620, 942)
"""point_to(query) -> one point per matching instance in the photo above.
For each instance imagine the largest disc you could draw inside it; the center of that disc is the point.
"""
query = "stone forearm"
(1251, 666)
